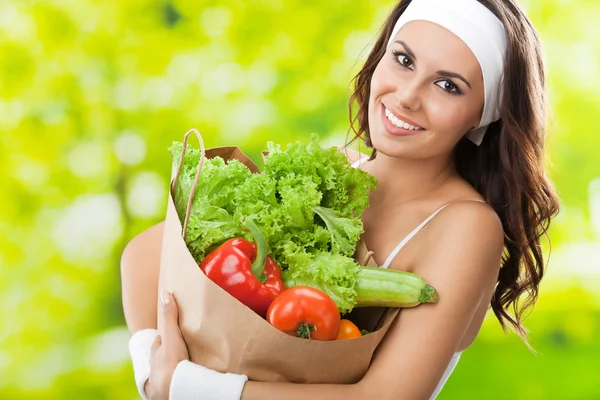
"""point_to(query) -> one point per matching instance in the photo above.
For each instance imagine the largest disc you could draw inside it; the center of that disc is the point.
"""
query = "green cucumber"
(380, 287)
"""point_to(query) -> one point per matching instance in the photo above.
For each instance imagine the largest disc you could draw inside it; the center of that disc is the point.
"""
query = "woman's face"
(426, 93)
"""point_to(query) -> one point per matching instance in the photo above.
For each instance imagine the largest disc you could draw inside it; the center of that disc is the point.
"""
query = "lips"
(406, 128)
(401, 121)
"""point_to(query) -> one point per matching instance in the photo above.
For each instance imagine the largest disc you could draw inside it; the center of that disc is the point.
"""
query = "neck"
(401, 180)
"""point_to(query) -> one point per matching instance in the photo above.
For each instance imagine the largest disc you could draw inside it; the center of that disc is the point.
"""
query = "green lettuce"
(345, 232)
(334, 274)
(211, 219)
(308, 202)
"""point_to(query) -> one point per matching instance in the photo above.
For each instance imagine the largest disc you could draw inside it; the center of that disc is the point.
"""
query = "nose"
(408, 96)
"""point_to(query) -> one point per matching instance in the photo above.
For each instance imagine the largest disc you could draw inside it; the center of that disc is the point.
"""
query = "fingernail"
(165, 298)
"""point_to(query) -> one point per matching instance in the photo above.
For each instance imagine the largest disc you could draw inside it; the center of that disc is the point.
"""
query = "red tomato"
(348, 330)
(305, 312)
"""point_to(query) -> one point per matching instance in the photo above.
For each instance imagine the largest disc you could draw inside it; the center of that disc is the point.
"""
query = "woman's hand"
(167, 351)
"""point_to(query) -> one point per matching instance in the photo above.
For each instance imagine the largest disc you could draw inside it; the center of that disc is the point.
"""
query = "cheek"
(375, 90)
(382, 83)
(383, 80)
(450, 117)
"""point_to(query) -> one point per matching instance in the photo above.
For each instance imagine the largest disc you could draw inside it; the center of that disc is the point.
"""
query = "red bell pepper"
(231, 266)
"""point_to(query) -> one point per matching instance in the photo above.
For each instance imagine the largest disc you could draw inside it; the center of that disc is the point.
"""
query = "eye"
(448, 86)
(403, 59)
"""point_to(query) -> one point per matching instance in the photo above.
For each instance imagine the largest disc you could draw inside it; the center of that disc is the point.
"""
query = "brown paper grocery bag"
(223, 334)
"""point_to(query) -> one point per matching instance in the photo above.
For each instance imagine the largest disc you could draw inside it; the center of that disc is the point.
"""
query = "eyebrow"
(441, 72)
(454, 75)
(408, 50)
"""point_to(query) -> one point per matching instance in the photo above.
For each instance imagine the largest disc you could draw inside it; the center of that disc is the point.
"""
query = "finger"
(148, 389)
(155, 345)
(170, 316)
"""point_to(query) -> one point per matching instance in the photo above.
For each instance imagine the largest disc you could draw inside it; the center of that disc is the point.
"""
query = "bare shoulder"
(469, 235)
(145, 244)
(471, 219)
(478, 213)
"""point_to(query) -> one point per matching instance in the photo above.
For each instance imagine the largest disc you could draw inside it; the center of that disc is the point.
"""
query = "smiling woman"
(509, 161)
(452, 102)
(460, 84)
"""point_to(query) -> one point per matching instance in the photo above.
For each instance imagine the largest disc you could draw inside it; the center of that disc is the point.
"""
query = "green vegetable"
(351, 285)
(379, 287)
(308, 203)
(211, 220)
(281, 199)
(345, 232)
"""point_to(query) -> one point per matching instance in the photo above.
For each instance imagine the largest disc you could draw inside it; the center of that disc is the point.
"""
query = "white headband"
(482, 31)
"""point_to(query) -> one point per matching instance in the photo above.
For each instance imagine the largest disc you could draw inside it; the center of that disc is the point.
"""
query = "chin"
(385, 144)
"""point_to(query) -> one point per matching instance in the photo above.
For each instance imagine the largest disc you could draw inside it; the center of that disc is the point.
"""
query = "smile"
(400, 123)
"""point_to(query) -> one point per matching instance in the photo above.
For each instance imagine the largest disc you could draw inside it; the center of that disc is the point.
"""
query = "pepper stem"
(258, 266)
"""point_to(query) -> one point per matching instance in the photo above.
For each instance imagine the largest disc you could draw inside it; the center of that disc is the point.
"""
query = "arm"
(416, 350)
(140, 264)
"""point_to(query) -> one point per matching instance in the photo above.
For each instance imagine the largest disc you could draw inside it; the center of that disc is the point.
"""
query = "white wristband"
(195, 382)
(140, 345)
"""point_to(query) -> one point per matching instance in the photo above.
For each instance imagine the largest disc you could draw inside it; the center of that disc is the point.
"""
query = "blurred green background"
(93, 92)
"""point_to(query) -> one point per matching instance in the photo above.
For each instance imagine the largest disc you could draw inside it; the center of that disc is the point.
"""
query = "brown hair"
(507, 169)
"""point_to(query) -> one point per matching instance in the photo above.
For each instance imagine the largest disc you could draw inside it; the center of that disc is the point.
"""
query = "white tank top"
(386, 264)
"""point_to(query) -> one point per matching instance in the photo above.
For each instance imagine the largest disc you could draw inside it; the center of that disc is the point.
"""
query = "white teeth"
(399, 123)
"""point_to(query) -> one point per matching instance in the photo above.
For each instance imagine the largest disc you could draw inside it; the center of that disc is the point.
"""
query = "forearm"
(194, 382)
(140, 266)
(294, 391)
(140, 297)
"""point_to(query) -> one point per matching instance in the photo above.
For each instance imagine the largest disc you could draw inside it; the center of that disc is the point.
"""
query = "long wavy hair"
(507, 169)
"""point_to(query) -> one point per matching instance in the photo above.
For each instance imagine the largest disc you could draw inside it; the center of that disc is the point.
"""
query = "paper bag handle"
(195, 184)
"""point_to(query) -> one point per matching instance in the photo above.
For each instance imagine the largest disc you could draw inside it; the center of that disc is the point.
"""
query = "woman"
(452, 101)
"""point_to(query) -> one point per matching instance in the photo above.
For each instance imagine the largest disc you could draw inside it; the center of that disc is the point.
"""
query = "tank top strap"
(415, 231)
(356, 163)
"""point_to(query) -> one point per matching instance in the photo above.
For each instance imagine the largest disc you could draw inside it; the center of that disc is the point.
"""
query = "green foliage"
(92, 93)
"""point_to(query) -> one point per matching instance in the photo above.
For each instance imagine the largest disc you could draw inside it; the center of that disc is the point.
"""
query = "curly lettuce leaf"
(211, 215)
(348, 192)
(334, 274)
(344, 189)
(345, 232)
